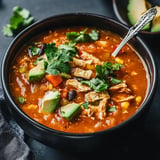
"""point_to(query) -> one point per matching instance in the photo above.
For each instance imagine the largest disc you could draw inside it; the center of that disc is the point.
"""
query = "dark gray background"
(144, 142)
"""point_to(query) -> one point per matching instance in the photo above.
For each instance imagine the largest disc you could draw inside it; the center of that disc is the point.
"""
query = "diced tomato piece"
(54, 79)
(113, 47)
(64, 93)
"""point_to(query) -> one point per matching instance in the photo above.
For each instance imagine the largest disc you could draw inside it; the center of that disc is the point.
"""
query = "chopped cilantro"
(70, 47)
(104, 75)
(116, 66)
(82, 36)
(16, 21)
(33, 51)
(94, 35)
(85, 105)
(28, 21)
(106, 69)
(66, 52)
(115, 80)
(20, 19)
(59, 57)
(7, 31)
(96, 84)
(112, 109)
(22, 12)
(50, 51)
(21, 99)
(56, 67)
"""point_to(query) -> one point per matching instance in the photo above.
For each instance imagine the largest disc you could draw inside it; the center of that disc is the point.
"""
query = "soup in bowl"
(65, 85)
(68, 80)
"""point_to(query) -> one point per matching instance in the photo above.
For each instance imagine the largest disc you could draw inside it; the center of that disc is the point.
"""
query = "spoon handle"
(143, 20)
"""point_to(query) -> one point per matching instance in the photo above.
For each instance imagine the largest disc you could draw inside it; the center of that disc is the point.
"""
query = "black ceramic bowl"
(71, 141)
(120, 9)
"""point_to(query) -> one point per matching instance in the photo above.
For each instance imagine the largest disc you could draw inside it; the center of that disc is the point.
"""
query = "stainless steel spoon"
(143, 20)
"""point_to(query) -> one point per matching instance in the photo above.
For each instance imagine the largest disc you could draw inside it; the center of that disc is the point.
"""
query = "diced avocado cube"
(51, 101)
(135, 9)
(156, 21)
(70, 110)
(37, 73)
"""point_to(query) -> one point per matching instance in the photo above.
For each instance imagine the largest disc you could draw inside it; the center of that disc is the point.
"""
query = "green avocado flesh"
(135, 9)
(156, 21)
(37, 73)
(69, 111)
(50, 101)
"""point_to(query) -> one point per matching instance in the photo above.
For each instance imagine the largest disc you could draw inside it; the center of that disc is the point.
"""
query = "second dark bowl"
(120, 10)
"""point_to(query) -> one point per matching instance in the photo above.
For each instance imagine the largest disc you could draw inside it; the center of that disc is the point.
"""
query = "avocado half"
(135, 9)
(156, 21)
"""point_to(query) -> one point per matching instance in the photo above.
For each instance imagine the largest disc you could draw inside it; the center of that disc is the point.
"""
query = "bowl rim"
(63, 133)
(119, 17)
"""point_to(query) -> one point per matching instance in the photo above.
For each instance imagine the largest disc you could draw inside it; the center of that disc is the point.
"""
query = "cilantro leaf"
(63, 67)
(104, 75)
(21, 99)
(16, 21)
(112, 109)
(82, 36)
(67, 51)
(33, 51)
(106, 69)
(101, 71)
(94, 35)
(7, 31)
(64, 55)
(116, 66)
(50, 51)
(70, 47)
(115, 80)
(21, 11)
(96, 84)
(56, 67)
(28, 21)
(72, 36)
(19, 20)
(59, 57)
(85, 105)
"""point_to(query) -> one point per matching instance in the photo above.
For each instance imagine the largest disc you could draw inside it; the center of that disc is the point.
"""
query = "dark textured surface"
(12, 144)
(144, 142)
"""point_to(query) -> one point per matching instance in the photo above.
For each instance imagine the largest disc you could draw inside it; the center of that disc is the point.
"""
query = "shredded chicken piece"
(78, 72)
(89, 111)
(95, 96)
(99, 111)
(121, 87)
(77, 85)
(124, 93)
(118, 86)
(80, 62)
(21, 86)
(102, 109)
(123, 98)
(125, 90)
(88, 56)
